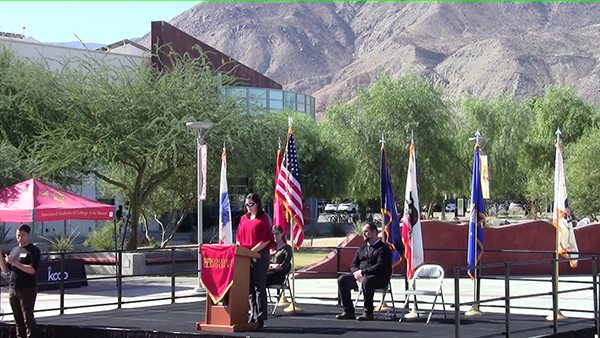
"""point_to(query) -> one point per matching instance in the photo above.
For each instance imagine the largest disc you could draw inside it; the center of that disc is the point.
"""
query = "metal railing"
(591, 286)
(118, 277)
(587, 286)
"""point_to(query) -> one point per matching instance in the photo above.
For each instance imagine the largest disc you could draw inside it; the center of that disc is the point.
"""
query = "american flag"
(289, 192)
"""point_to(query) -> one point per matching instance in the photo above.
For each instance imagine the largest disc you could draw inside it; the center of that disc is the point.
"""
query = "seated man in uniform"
(371, 269)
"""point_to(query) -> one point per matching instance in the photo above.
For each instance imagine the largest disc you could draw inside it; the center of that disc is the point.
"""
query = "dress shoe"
(345, 315)
(365, 316)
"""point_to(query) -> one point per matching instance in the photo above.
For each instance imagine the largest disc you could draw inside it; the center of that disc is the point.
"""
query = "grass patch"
(303, 259)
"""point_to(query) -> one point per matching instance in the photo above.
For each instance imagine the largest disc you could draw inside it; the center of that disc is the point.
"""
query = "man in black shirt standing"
(371, 269)
(22, 262)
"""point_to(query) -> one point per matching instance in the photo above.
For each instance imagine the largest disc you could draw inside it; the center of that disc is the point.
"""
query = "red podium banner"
(217, 269)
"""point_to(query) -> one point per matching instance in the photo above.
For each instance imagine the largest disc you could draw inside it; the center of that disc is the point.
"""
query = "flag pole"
(282, 300)
(475, 311)
(383, 306)
(559, 315)
(293, 307)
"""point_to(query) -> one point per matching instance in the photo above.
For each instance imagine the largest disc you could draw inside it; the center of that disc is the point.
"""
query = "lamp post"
(202, 128)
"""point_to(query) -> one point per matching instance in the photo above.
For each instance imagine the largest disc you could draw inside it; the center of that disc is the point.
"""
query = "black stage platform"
(179, 320)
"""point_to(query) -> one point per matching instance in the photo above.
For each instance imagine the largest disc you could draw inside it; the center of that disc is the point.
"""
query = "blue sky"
(93, 21)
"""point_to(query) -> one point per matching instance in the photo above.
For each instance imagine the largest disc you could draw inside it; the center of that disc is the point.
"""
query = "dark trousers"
(22, 302)
(258, 286)
(347, 283)
(275, 277)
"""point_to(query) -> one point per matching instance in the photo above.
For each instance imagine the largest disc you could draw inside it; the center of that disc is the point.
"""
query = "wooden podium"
(232, 316)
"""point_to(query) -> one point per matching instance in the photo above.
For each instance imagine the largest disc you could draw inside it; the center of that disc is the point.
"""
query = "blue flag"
(477, 218)
(391, 234)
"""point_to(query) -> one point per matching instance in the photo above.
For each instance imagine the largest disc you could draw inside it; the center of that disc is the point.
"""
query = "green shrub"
(338, 229)
(103, 239)
(62, 242)
(312, 232)
(357, 228)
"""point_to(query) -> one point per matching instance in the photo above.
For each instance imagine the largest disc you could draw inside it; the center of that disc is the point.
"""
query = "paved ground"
(180, 319)
(150, 291)
(318, 291)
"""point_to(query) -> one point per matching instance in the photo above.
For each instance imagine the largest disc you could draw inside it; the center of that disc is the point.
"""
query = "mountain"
(78, 44)
(328, 49)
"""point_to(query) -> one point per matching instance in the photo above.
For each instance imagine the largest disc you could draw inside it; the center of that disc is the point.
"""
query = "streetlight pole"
(202, 128)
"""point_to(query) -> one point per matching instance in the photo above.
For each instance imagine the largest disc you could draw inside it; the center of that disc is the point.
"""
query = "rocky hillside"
(327, 49)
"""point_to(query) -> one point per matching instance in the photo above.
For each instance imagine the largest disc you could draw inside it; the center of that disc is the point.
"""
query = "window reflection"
(273, 99)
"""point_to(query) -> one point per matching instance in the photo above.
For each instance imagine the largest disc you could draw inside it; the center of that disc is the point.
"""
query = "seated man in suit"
(371, 269)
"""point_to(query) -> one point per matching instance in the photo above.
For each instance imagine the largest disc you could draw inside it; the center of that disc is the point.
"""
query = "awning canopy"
(32, 201)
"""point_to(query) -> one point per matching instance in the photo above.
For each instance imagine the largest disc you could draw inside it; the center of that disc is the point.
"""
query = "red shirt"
(255, 231)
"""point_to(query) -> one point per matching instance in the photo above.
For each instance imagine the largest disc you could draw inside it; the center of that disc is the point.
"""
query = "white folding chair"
(384, 292)
(433, 273)
(280, 293)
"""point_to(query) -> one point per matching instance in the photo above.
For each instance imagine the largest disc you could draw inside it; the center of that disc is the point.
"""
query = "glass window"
(301, 98)
(290, 105)
(290, 97)
(308, 105)
(260, 102)
(276, 95)
(275, 104)
(237, 92)
(301, 107)
(258, 93)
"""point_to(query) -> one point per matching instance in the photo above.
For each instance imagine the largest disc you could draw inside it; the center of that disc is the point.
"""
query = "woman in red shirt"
(254, 233)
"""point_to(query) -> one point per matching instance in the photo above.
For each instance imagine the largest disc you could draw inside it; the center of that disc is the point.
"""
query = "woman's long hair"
(254, 198)
(280, 229)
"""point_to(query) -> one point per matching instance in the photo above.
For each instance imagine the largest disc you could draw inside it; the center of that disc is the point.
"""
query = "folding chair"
(280, 293)
(432, 272)
(384, 292)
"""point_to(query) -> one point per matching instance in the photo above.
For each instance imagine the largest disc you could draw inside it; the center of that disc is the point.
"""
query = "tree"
(505, 123)
(126, 125)
(583, 174)
(396, 109)
(25, 88)
(169, 205)
(254, 155)
(559, 107)
(14, 167)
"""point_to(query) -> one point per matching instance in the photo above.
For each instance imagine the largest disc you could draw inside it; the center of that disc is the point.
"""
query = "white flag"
(225, 235)
(203, 165)
(562, 213)
(411, 224)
